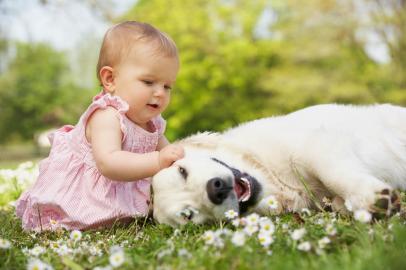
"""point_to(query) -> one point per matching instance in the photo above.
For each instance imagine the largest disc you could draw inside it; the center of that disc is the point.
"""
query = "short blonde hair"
(122, 38)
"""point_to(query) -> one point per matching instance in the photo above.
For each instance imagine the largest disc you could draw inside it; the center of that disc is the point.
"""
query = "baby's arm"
(105, 136)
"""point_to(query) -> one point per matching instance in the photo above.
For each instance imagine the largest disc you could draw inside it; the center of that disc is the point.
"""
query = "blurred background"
(240, 60)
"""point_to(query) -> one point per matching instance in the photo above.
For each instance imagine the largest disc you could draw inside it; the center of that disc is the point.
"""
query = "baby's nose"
(159, 90)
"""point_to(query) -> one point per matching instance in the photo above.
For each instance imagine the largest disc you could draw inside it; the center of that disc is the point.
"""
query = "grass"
(147, 245)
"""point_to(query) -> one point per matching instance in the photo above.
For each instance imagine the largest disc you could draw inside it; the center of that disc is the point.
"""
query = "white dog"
(350, 154)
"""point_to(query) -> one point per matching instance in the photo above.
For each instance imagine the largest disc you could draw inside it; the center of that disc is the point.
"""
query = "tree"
(35, 93)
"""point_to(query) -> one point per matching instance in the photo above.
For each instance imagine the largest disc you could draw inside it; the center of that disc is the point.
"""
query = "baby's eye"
(147, 82)
(168, 87)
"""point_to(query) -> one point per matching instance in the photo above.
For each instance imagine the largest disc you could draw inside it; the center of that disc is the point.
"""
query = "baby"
(97, 171)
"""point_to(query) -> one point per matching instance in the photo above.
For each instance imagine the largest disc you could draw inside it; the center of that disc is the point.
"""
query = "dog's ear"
(206, 140)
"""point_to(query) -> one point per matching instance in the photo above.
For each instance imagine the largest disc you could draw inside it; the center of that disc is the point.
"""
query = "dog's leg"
(360, 190)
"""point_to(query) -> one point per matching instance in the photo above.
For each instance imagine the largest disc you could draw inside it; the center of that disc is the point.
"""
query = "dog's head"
(200, 188)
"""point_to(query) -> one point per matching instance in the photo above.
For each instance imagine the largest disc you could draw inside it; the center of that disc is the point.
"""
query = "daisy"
(363, 216)
(331, 230)
(36, 251)
(107, 267)
(267, 226)
(250, 229)
(231, 214)
(323, 242)
(117, 258)
(4, 244)
(238, 238)
(271, 202)
(63, 250)
(37, 264)
(252, 219)
(184, 253)
(236, 222)
(298, 234)
(265, 239)
(304, 246)
(209, 237)
(76, 235)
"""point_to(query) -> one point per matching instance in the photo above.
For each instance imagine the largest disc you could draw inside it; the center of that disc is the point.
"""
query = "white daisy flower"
(164, 253)
(267, 226)
(236, 222)
(209, 237)
(76, 235)
(95, 251)
(117, 248)
(117, 258)
(37, 264)
(330, 229)
(285, 227)
(107, 267)
(304, 246)
(323, 242)
(362, 215)
(36, 251)
(4, 243)
(252, 219)
(223, 232)
(250, 229)
(271, 202)
(298, 234)
(319, 221)
(231, 214)
(238, 238)
(184, 253)
(63, 250)
(265, 239)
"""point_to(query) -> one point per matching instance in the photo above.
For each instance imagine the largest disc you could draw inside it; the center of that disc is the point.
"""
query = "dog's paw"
(387, 203)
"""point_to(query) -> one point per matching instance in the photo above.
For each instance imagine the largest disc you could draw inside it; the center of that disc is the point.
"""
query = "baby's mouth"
(155, 106)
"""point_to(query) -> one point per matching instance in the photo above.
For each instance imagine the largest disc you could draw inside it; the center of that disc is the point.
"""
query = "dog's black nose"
(217, 190)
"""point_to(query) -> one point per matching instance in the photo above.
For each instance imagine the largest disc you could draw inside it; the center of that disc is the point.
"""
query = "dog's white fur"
(349, 153)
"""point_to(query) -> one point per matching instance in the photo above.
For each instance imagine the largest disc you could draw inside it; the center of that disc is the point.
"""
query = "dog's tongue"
(239, 189)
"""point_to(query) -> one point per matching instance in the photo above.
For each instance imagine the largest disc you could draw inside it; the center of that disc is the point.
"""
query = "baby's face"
(144, 80)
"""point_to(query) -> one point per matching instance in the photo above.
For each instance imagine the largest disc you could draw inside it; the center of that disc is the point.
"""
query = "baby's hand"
(169, 154)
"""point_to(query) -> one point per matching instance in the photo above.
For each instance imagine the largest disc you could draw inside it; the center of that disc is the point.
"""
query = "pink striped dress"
(70, 191)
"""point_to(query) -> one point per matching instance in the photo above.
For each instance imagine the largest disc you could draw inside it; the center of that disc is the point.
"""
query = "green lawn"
(346, 244)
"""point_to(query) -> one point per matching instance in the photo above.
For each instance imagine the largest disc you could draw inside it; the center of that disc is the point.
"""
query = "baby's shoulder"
(106, 117)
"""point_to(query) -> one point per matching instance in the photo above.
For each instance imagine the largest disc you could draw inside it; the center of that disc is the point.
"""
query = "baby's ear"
(107, 78)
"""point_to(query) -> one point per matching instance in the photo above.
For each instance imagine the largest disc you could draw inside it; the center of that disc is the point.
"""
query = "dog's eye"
(183, 172)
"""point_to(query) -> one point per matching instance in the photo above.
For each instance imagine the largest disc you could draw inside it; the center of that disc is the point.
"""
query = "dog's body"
(346, 153)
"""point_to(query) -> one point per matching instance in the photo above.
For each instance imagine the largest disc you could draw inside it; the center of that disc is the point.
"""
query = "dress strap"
(102, 101)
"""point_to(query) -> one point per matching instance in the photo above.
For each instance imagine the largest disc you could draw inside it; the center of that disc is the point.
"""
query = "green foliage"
(36, 93)
(310, 53)
(230, 74)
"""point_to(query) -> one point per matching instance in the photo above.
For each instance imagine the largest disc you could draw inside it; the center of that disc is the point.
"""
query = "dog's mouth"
(242, 188)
